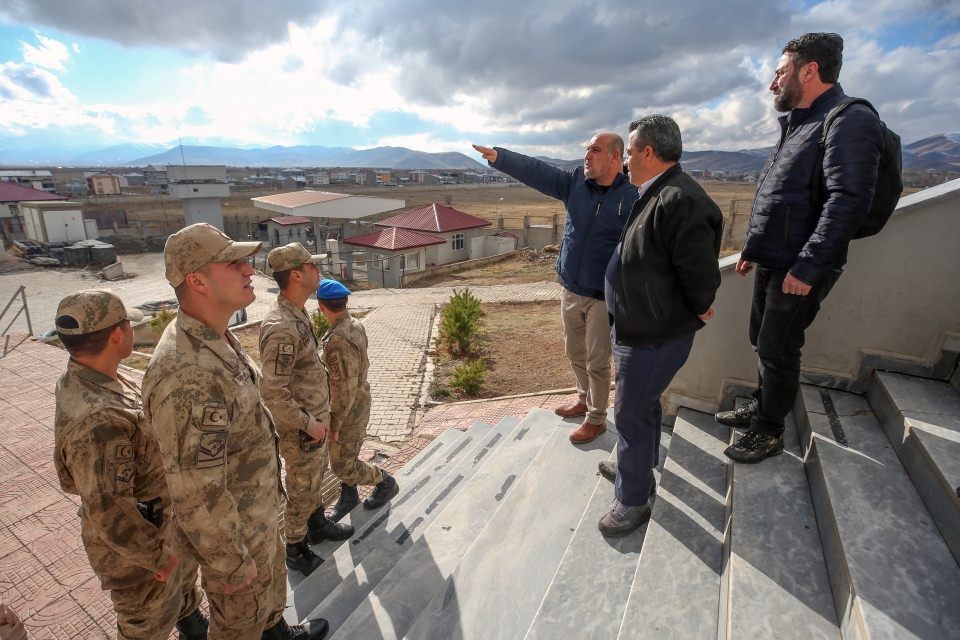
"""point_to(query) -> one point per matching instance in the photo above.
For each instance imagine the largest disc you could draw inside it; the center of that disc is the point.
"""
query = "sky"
(539, 76)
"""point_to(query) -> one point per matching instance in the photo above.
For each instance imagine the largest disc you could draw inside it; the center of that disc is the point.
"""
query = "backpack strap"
(817, 184)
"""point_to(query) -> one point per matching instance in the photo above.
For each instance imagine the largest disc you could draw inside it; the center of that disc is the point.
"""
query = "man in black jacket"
(660, 284)
(798, 239)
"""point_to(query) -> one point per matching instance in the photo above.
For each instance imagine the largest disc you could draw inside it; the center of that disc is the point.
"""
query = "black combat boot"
(315, 629)
(301, 558)
(193, 626)
(349, 498)
(320, 529)
(382, 493)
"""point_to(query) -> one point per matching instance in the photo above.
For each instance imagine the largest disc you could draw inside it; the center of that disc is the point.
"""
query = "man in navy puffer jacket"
(599, 199)
(798, 239)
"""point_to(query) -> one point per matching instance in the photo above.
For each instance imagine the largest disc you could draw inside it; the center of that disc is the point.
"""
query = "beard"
(789, 95)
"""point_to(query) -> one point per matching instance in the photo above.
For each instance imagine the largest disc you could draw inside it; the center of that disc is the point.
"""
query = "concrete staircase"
(851, 533)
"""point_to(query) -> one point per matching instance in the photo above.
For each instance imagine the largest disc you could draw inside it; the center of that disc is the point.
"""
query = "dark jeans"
(778, 322)
(643, 374)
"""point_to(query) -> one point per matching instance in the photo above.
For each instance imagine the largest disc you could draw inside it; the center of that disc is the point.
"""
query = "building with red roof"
(465, 237)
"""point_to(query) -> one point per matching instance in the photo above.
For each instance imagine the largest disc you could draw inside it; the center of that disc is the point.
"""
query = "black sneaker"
(319, 528)
(349, 498)
(315, 629)
(739, 417)
(383, 492)
(754, 446)
(193, 626)
(301, 558)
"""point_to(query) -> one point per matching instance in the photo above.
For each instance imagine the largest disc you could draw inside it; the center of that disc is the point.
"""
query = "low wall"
(898, 296)
(410, 278)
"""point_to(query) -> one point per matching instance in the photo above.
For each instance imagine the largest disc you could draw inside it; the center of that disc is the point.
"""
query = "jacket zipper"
(583, 249)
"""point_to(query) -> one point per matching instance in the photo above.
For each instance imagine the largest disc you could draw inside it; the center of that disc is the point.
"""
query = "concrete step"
(922, 420)
(676, 589)
(390, 545)
(341, 558)
(891, 572)
(500, 582)
(437, 449)
(777, 583)
(589, 591)
(391, 608)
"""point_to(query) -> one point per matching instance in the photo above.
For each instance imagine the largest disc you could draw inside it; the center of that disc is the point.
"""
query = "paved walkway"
(398, 326)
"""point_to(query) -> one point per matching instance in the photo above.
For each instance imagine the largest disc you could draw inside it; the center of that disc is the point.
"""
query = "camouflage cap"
(192, 247)
(92, 310)
(291, 256)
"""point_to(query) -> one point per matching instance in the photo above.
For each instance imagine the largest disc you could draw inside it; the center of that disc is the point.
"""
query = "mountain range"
(940, 152)
(936, 153)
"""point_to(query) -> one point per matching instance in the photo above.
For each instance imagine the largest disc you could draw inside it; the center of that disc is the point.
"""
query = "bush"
(460, 323)
(320, 324)
(468, 377)
(161, 319)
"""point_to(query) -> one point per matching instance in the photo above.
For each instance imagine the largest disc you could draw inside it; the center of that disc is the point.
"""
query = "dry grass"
(517, 270)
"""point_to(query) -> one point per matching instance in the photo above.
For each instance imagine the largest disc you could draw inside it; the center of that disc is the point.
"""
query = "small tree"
(460, 323)
(320, 324)
(468, 377)
(161, 319)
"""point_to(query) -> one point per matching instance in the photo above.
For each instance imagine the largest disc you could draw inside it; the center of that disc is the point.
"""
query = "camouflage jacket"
(102, 454)
(218, 445)
(344, 354)
(294, 384)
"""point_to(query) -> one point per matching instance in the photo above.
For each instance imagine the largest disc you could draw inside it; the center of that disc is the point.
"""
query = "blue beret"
(331, 290)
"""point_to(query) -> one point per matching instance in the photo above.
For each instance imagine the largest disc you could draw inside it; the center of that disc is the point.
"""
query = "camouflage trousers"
(344, 456)
(148, 610)
(245, 614)
(303, 471)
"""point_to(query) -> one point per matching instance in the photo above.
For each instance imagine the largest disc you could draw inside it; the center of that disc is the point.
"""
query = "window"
(456, 242)
(410, 261)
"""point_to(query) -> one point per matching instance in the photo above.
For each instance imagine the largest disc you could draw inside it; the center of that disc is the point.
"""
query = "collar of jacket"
(617, 182)
(228, 350)
(104, 381)
(649, 194)
(821, 104)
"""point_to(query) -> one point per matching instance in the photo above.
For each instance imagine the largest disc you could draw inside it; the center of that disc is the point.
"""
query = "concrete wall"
(443, 253)
(489, 245)
(410, 278)
(202, 210)
(898, 295)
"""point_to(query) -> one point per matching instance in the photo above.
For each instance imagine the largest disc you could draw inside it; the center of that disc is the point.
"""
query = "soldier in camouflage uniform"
(344, 354)
(294, 388)
(102, 454)
(217, 440)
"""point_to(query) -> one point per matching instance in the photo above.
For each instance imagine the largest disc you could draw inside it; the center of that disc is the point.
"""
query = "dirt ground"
(523, 351)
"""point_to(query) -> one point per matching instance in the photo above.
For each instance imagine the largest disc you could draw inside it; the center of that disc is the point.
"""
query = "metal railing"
(22, 292)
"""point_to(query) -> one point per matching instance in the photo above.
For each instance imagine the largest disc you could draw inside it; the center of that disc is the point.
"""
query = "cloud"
(227, 29)
(539, 76)
(49, 53)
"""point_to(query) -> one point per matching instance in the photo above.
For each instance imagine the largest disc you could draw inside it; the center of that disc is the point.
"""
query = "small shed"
(281, 230)
(394, 252)
(51, 221)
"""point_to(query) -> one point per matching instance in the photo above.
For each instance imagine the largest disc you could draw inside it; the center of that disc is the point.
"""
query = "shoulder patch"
(123, 474)
(212, 451)
(214, 415)
(284, 366)
(333, 366)
(285, 349)
(120, 450)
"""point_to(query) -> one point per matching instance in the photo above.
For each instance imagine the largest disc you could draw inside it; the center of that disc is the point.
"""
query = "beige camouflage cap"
(291, 256)
(92, 310)
(192, 247)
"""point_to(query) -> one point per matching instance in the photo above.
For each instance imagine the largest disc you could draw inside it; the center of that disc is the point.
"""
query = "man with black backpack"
(814, 195)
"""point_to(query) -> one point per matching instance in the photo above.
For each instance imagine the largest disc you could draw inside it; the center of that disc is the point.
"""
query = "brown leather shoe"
(574, 410)
(587, 432)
